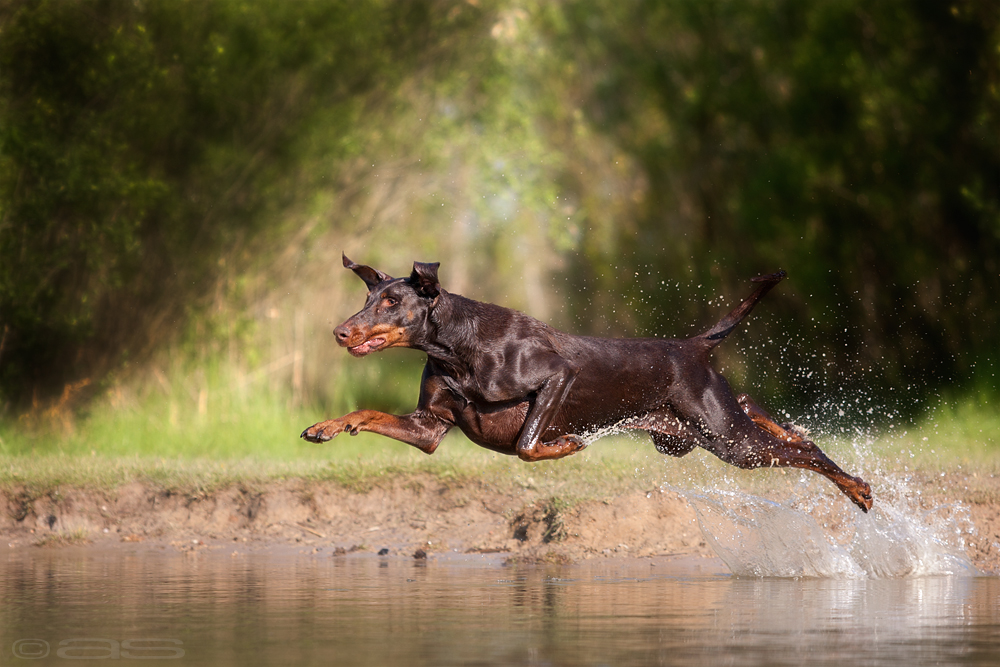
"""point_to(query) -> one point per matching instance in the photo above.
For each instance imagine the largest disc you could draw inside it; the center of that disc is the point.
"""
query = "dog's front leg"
(547, 404)
(421, 429)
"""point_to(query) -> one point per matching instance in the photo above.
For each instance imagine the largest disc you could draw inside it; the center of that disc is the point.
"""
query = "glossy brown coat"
(516, 385)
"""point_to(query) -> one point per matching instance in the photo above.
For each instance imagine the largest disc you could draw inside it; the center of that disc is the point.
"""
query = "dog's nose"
(342, 333)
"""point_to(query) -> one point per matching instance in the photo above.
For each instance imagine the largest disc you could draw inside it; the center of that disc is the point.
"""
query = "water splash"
(895, 542)
(811, 533)
(761, 538)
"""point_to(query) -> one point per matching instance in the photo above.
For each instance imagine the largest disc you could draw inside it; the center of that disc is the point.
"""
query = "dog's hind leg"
(746, 445)
(741, 433)
(760, 417)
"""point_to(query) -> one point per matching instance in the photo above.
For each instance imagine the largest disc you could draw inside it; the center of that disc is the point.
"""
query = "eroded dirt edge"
(417, 514)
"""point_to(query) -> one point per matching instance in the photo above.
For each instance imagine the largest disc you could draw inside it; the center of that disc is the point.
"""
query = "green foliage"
(854, 144)
(180, 178)
(962, 432)
(144, 145)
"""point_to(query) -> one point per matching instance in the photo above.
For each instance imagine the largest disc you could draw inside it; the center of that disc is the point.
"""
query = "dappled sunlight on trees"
(178, 180)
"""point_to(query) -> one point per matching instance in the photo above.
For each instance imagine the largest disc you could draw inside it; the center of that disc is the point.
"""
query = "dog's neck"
(455, 338)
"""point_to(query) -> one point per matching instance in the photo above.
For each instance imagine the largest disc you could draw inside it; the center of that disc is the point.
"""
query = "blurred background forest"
(178, 180)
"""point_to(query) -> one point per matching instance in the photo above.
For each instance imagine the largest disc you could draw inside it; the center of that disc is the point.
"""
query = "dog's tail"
(714, 336)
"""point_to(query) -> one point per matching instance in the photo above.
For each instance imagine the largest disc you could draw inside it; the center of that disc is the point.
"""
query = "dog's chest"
(472, 390)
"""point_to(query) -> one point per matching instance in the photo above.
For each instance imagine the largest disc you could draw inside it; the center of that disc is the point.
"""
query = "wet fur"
(516, 385)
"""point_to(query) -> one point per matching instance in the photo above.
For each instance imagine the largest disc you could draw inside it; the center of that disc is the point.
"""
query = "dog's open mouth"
(367, 347)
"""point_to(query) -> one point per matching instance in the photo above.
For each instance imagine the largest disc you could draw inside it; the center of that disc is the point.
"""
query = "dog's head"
(396, 310)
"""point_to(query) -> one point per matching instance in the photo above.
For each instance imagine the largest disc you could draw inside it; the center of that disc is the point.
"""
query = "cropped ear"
(372, 277)
(425, 279)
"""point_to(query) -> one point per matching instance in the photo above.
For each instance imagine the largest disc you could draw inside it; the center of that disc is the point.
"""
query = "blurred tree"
(577, 159)
(855, 144)
(144, 145)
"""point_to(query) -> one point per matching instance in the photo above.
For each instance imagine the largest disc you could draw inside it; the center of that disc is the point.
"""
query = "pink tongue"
(367, 346)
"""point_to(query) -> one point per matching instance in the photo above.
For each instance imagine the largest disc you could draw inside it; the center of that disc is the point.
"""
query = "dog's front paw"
(323, 431)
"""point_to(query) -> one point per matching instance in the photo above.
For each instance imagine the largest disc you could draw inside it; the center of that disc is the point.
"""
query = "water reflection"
(365, 610)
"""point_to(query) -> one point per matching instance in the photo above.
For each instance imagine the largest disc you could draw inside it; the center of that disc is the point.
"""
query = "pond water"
(274, 607)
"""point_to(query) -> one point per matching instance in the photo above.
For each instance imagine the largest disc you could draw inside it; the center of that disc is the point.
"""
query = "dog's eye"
(389, 302)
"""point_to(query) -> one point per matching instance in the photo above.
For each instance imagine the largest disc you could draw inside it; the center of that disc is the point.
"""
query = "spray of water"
(762, 538)
(813, 532)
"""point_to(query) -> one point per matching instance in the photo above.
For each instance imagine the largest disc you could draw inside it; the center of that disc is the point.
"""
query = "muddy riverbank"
(422, 514)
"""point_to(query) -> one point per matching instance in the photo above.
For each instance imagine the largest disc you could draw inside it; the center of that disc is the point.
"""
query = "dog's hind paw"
(860, 494)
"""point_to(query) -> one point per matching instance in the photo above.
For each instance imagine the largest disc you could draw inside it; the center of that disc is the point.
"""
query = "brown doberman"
(517, 386)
